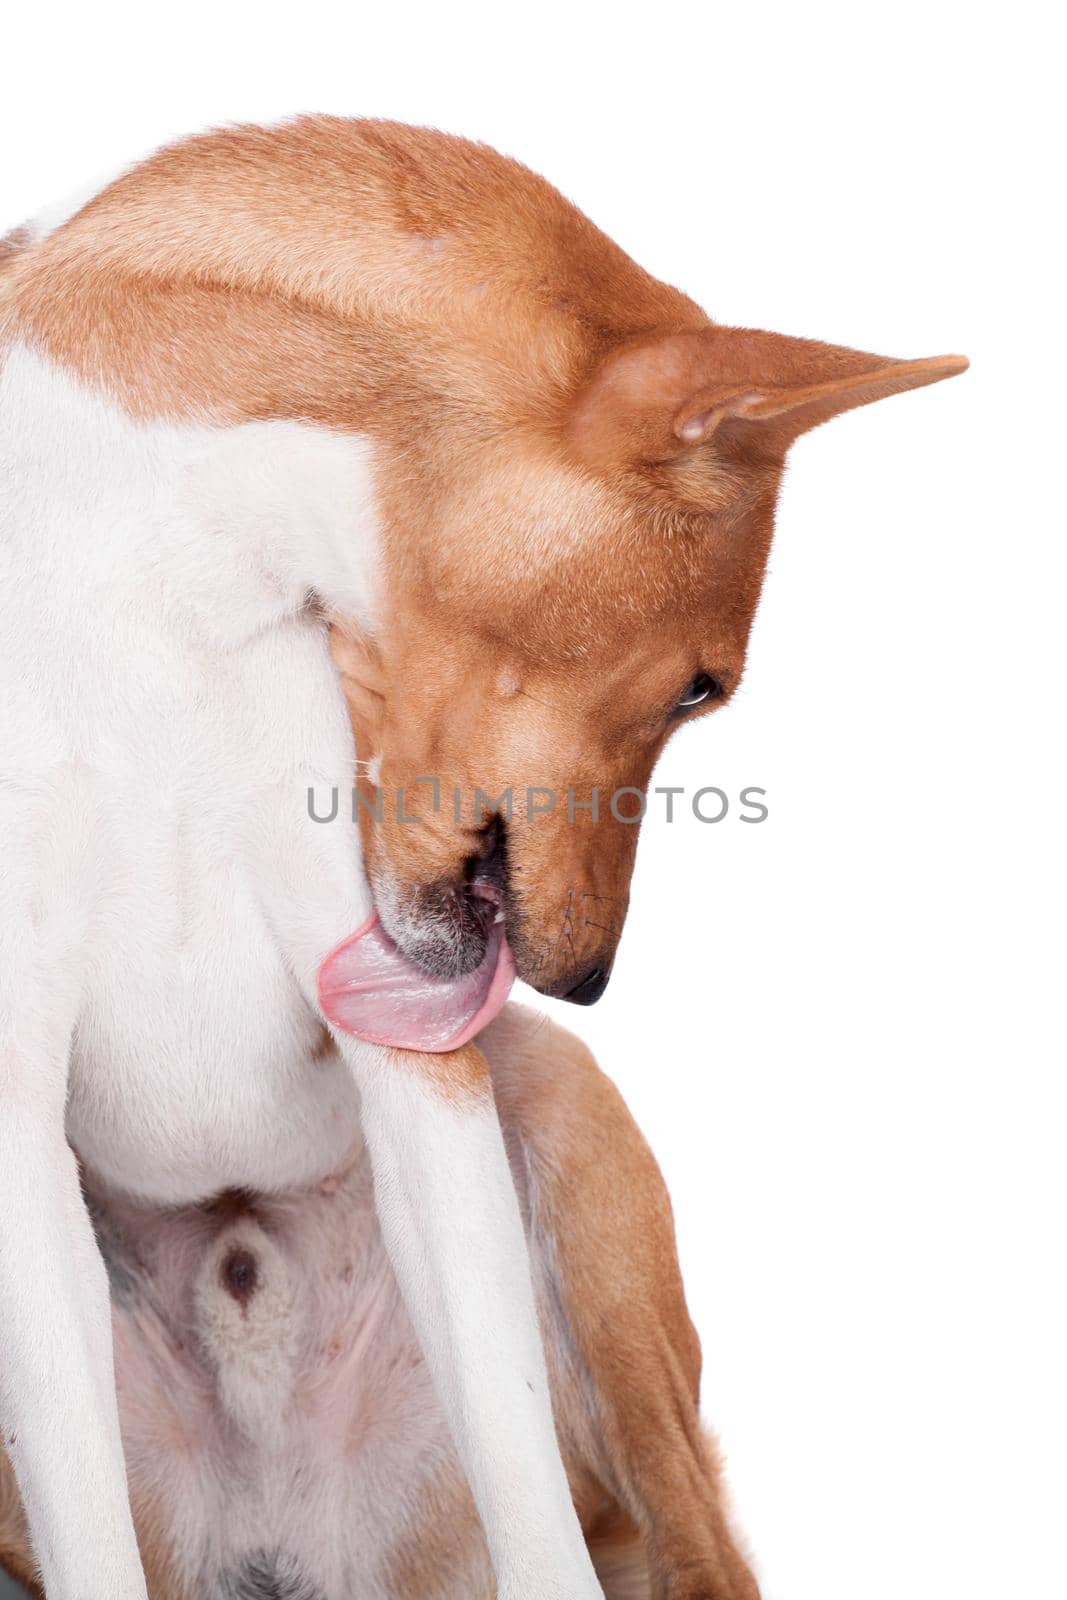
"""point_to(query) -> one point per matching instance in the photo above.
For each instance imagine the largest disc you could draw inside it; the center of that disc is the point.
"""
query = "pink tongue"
(368, 988)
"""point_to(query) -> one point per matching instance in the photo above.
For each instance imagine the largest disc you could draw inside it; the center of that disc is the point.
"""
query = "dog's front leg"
(58, 1409)
(57, 1389)
(451, 1223)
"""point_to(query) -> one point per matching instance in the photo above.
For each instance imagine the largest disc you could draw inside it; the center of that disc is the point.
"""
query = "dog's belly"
(282, 1434)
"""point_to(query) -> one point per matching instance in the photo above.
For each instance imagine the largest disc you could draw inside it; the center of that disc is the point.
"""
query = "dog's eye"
(703, 687)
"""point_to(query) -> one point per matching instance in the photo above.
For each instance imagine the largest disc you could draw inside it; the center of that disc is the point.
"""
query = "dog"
(329, 436)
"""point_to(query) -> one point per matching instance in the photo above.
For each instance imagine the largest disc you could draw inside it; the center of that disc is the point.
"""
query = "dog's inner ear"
(655, 400)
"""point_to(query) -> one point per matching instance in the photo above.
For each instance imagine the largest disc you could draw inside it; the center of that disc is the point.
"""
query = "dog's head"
(584, 583)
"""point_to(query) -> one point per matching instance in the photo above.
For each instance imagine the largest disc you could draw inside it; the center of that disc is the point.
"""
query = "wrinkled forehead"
(562, 565)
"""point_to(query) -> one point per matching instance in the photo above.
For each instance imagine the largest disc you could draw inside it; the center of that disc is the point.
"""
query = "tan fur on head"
(576, 470)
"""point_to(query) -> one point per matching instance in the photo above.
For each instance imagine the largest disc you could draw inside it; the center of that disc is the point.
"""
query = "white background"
(838, 1029)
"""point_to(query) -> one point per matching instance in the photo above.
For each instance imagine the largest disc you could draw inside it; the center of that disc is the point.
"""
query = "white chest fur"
(167, 699)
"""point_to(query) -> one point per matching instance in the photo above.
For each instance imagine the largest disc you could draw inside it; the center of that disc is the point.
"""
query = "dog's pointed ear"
(655, 400)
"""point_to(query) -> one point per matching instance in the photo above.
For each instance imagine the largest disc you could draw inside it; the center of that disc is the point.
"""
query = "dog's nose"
(589, 988)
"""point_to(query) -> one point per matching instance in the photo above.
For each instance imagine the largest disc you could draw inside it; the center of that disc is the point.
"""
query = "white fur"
(450, 1220)
(165, 901)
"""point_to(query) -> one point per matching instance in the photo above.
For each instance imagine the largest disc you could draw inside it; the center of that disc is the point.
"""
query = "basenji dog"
(327, 438)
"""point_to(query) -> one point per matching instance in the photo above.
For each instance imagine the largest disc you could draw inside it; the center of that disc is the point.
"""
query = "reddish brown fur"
(604, 1205)
(16, 1557)
(12, 245)
(558, 562)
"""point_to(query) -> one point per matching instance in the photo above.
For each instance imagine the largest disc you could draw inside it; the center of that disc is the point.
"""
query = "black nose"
(587, 990)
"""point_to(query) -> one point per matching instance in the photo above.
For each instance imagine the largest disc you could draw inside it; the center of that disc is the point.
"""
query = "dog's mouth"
(369, 987)
(430, 968)
(445, 928)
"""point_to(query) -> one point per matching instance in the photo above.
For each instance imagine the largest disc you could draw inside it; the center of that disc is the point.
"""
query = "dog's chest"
(168, 700)
(198, 1061)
